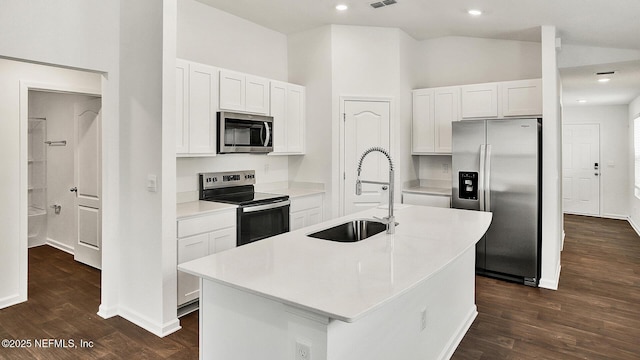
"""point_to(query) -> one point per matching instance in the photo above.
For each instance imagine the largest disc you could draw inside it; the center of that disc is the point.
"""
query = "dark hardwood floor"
(64, 296)
(595, 314)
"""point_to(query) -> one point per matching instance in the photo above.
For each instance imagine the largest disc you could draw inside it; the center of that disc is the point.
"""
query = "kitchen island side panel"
(240, 325)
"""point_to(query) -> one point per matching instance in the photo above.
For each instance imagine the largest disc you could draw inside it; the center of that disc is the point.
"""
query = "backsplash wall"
(269, 169)
(435, 167)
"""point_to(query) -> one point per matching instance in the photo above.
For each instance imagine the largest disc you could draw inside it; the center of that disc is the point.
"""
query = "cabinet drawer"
(426, 200)
(206, 223)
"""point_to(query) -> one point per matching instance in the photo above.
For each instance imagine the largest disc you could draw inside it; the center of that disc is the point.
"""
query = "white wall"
(59, 111)
(552, 223)
(310, 64)
(211, 36)
(634, 202)
(580, 55)
(614, 125)
(214, 37)
(456, 60)
(147, 297)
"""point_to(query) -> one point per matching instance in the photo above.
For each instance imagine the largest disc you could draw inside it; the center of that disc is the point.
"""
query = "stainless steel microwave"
(244, 133)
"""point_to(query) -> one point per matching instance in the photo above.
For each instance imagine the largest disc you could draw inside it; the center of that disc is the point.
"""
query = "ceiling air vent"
(605, 73)
(383, 3)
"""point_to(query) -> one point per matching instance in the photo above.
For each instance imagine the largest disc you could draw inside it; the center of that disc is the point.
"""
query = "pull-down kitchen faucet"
(389, 220)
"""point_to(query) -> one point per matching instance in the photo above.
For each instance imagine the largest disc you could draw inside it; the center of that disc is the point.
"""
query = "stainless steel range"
(260, 215)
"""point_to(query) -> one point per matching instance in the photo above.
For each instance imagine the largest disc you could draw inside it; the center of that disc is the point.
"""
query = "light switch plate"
(152, 183)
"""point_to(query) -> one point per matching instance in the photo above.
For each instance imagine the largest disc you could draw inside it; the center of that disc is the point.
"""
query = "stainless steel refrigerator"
(496, 168)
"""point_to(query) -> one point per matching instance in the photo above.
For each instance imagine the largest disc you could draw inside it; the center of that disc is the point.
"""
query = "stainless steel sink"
(351, 231)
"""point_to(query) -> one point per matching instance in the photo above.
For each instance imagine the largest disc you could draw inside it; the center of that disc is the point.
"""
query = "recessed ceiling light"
(582, 101)
(341, 7)
(475, 12)
(604, 80)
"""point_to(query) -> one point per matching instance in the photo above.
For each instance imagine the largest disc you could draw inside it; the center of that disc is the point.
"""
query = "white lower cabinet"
(198, 237)
(443, 201)
(305, 211)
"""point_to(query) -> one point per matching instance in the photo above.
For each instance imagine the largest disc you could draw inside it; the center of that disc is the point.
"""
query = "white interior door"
(366, 124)
(88, 244)
(581, 169)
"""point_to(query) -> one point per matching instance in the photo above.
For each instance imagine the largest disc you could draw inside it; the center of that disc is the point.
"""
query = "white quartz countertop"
(297, 192)
(193, 208)
(346, 281)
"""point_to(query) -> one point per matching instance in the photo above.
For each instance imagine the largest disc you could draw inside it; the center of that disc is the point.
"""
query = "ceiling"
(599, 23)
(580, 83)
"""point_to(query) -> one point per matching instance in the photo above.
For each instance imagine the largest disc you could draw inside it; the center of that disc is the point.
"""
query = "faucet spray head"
(358, 187)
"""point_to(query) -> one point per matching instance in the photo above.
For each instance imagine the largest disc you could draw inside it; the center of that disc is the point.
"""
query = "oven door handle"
(275, 205)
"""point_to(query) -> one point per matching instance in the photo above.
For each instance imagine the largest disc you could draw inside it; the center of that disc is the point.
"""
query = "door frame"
(341, 134)
(600, 182)
(25, 87)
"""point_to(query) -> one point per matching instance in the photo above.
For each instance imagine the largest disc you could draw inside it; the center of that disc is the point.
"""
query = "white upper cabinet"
(196, 106)
(479, 101)
(243, 92)
(423, 126)
(288, 110)
(522, 97)
(433, 112)
(446, 108)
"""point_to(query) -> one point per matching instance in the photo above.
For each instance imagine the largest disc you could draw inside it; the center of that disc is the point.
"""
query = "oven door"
(244, 133)
(256, 222)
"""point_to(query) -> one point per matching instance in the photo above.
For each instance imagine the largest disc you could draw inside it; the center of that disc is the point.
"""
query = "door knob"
(74, 189)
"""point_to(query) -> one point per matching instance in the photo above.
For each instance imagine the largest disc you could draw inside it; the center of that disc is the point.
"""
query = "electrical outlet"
(423, 319)
(303, 351)
(445, 168)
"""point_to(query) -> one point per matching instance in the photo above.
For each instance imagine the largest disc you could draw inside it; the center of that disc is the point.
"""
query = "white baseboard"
(60, 246)
(160, 330)
(107, 312)
(615, 216)
(551, 284)
(11, 300)
(633, 225)
(455, 340)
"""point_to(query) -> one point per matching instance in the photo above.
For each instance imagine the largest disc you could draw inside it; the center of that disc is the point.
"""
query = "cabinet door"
(232, 90)
(446, 105)
(423, 122)
(222, 240)
(297, 220)
(314, 216)
(203, 106)
(295, 119)
(278, 110)
(182, 106)
(522, 98)
(256, 95)
(190, 248)
(479, 101)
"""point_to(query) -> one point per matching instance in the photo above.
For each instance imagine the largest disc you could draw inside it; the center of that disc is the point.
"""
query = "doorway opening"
(64, 173)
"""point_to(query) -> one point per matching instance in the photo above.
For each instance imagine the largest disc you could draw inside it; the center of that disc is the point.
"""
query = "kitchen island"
(409, 295)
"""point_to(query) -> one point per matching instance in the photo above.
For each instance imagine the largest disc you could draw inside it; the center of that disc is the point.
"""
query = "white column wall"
(551, 162)
(634, 202)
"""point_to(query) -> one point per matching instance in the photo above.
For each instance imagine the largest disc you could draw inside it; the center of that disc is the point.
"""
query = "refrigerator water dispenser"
(468, 185)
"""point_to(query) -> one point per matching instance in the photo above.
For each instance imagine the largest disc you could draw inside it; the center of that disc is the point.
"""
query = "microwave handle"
(266, 140)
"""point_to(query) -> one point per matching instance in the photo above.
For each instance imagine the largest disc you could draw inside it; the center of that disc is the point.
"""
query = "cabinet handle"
(385, 187)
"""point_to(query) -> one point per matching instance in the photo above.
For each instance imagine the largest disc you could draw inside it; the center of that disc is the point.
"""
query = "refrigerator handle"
(488, 180)
(481, 177)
